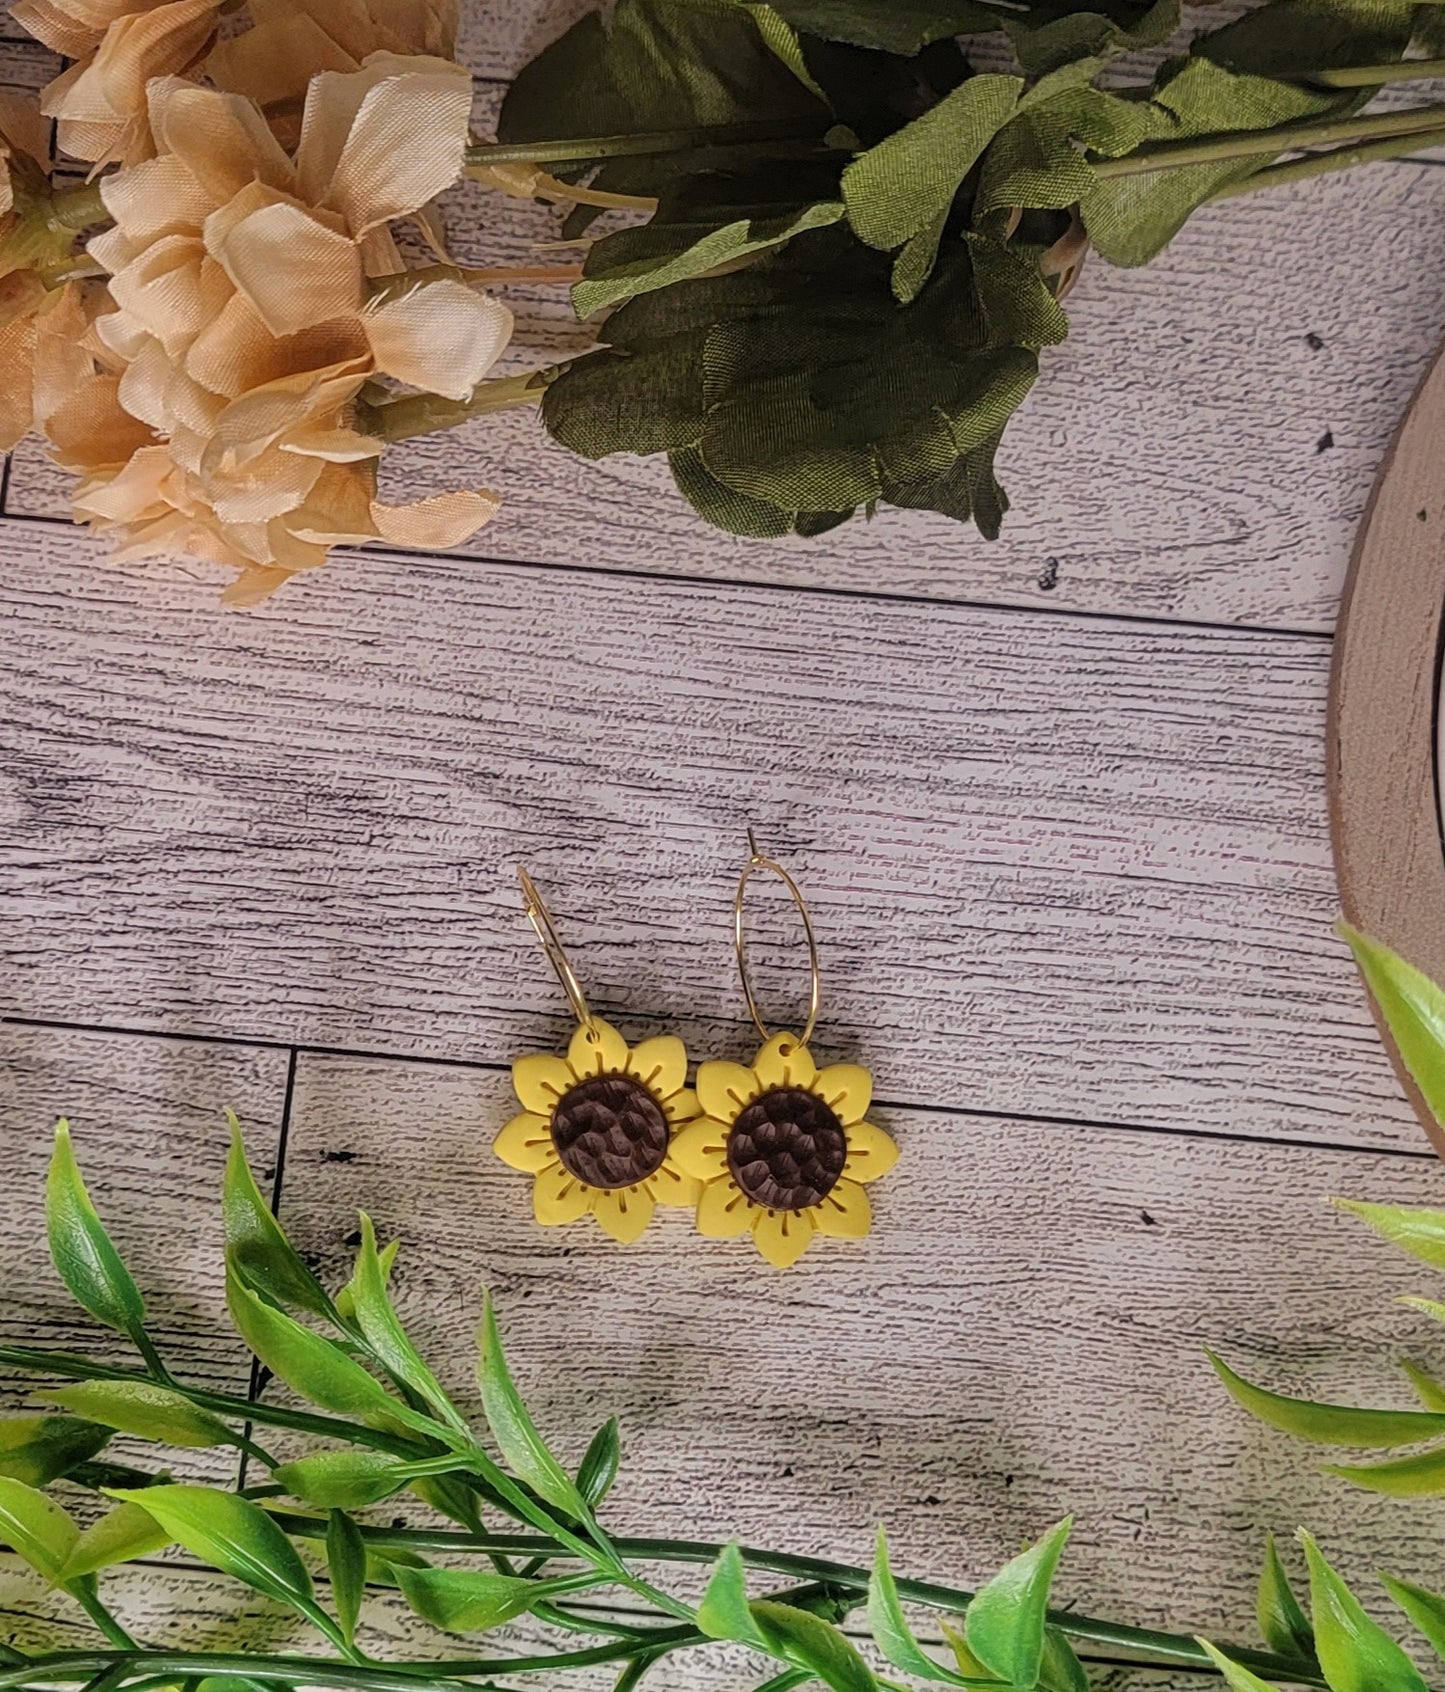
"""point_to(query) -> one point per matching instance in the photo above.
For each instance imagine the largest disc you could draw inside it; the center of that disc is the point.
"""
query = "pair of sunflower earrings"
(781, 1149)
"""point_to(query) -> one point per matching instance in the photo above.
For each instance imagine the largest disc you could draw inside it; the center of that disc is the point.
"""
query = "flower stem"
(77, 208)
(427, 414)
(1324, 164)
(1284, 138)
(1373, 76)
(90, 1602)
(81, 1666)
(591, 149)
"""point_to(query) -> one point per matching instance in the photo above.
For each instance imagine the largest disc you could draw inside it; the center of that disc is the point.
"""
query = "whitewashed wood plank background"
(1067, 851)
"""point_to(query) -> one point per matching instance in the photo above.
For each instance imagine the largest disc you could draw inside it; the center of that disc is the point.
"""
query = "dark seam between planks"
(959, 1112)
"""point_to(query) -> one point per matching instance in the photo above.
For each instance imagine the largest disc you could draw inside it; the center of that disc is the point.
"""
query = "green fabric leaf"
(257, 1251)
(1331, 1424)
(1414, 1010)
(643, 400)
(1236, 1676)
(968, 489)
(900, 186)
(1061, 1670)
(347, 1479)
(809, 1642)
(1034, 160)
(1427, 1389)
(120, 1536)
(725, 1612)
(1052, 34)
(387, 1339)
(781, 40)
(899, 26)
(449, 1496)
(513, 1428)
(346, 1562)
(1425, 1609)
(727, 509)
(151, 1412)
(84, 1256)
(1413, 1228)
(1421, 1476)
(916, 259)
(658, 254)
(1004, 1623)
(1283, 1625)
(889, 1626)
(232, 1534)
(40, 1449)
(1289, 37)
(600, 1462)
(470, 1601)
(1355, 1652)
(36, 1528)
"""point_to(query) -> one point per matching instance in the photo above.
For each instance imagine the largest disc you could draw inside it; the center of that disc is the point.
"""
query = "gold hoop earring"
(597, 1126)
(783, 1149)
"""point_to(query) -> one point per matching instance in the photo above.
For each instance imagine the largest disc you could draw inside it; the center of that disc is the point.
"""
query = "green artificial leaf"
(1035, 159)
(900, 26)
(1331, 1424)
(151, 1412)
(1052, 34)
(897, 188)
(600, 1462)
(232, 1534)
(1236, 1676)
(1283, 1625)
(889, 1626)
(781, 40)
(1355, 1653)
(1413, 1007)
(450, 1496)
(1429, 1391)
(807, 1641)
(257, 1251)
(40, 1449)
(968, 1665)
(1428, 1306)
(725, 1612)
(1061, 1670)
(1289, 38)
(513, 1429)
(470, 1601)
(314, 1366)
(738, 513)
(120, 1536)
(1425, 1609)
(1413, 1228)
(346, 1560)
(346, 1297)
(343, 1480)
(916, 259)
(1420, 1476)
(387, 1339)
(86, 1259)
(36, 1528)
(1004, 1623)
(657, 254)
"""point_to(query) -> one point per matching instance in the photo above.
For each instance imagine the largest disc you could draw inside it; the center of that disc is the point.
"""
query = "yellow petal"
(845, 1213)
(558, 1196)
(783, 1235)
(540, 1081)
(847, 1090)
(723, 1211)
(700, 1149)
(724, 1088)
(682, 1106)
(670, 1186)
(660, 1065)
(526, 1143)
(871, 1152)
(784, 1063)
(598, 1050)
(441, 338)
(622, 1212)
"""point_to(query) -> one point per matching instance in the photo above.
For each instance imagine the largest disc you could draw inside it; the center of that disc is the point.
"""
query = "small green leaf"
(1331, 1424)
(600, 1463)
(36, 1528)
(1236, 1677)
(968, 1665)
(232, 1534)
(889, 1625)
(1421, 1476)
(346, 1298)
(40, 1449)
(346, 1559)
(387, 1340)
(151, 1412)
(809, 1642)
(1413, 1007)
(120, 1536)
(1425, 1609)
(257, 1250)
(1004, 1624)
(343, 1480)
(449, 1496)
(512, 1427)
(1061, 1670)
(725, 1612)
(470, 1601)
(1283, 1625)
(1355, 1653)
(1428, 1390)
(1413, 1228)
(86, 1259)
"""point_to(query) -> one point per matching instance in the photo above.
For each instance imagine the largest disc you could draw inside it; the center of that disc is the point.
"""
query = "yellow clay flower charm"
(598, 1129)
(782, 1150)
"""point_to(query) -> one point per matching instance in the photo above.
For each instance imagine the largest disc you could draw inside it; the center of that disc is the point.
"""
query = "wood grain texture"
(1021, 1335)
(1059, 867)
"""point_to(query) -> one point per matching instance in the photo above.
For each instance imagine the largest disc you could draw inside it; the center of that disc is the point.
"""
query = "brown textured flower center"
(787, 1149)
(609, 1131)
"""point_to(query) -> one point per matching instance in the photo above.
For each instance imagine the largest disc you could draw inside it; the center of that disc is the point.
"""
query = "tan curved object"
(1384, 719)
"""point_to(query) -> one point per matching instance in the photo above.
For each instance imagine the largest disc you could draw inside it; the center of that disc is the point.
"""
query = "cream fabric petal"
(723, 1211)
(432, 525)
(254, 587)
(136, 49)
(558, 1196)
(17, 401)
(62, 361)
(137, 493)
(700, 1149)
(338, 510)
(143, 386)
(294, 270)
(24, 128)
(157, 197)
(92, 429)
(162, 290)
(724, 1088)
(526, 1143)
(540, 1080)
(267, 486)
(660, 1064)
(783, 1235)
(442, 338)
(258, 419)
(113, 249)
(598, 1050)
(290, 551)
(871, 1152)
(784, 1063)
(337, 446)
(59, 29)
(222, 138)
(845, 1213)
(847, 1090)
(623, 1212)
(275, 59)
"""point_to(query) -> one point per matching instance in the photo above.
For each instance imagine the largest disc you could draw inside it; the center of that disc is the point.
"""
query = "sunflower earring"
(782, 1149)
(598, 1127)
